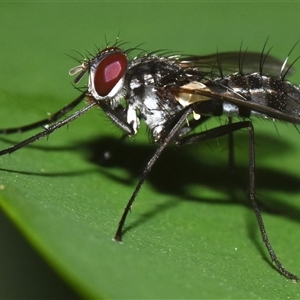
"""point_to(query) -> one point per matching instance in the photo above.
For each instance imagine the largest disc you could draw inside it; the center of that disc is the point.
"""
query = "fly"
(173, 95)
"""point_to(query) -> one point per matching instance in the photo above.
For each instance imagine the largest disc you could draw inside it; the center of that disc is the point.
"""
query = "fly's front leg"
(117, 118)
(229, 129)
(117, 115)
(48, 130)
(46, 122)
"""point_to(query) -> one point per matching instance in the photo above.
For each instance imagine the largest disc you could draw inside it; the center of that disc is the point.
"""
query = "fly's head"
(110, 82)
(106, 75)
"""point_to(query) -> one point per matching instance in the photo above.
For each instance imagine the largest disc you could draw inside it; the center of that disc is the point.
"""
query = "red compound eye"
(109, 71)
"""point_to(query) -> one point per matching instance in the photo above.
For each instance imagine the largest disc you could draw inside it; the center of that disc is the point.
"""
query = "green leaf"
(191, 233)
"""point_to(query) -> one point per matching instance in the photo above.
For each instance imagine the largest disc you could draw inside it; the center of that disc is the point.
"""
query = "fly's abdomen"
(257, 95)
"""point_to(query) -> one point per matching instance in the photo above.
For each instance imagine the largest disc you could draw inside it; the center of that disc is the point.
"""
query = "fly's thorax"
(145, 103)
(146, 77)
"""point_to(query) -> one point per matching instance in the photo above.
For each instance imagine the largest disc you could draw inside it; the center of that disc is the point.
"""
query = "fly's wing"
(230, 62)
(281, 105)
